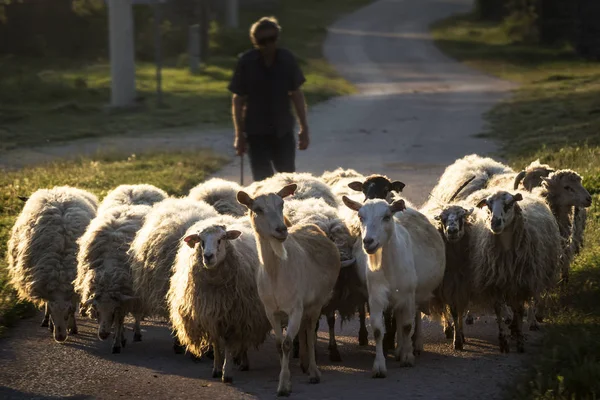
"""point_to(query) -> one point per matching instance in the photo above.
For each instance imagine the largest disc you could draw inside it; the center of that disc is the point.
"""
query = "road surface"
(416, 112)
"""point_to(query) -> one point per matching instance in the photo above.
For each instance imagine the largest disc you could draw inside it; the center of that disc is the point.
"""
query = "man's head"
(264, 34)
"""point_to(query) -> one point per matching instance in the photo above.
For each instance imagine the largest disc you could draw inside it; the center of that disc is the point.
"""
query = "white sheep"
(213, 297)
(515, 250)
(42, 252)
(298, 272)
(142, 194)
(220, 194)
(406, 261)
(308, 185)
(331, 178)
(104, 279)
(154, 249)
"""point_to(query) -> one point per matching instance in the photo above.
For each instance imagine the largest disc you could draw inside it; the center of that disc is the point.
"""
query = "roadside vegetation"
(175, 172)
(53, 93)
(554, 115)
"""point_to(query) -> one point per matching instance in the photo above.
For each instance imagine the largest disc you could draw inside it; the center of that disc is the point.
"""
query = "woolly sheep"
(42, 252)
(220, 194)
(332, 177)
(515, 249)
(104, 271)
(309, 186)
(213, 297)
(132, 195)
(154, 249)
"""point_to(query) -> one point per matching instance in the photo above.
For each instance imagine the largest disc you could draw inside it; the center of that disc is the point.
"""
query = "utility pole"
(122, 55)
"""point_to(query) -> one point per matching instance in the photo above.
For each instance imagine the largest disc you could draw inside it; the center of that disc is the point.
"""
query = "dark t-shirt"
(268, 104)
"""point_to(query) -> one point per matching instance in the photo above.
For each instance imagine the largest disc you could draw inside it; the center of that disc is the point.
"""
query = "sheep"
(297, 274)
(347, 297)
(406, 261)
(104, 279)
(515, 249)
(220, 194)
(42, 252)
(308, 185)
(213, 296)
(479, 170)
(132, 195)
(454, 225)
(154, 248)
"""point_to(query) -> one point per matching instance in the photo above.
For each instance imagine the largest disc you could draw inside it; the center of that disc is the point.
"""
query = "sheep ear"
(397, 206)
(356, 186)
(517, 197)
(191, 240)
(351, 204)
(518, 179)
(245, 199)
(397, 186)
(482, 203)
(23, 198)
(232, 235)
(287, 190)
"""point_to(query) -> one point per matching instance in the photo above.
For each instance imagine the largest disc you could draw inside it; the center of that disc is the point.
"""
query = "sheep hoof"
(137, 337)
(217, 374)
(116, 350)
(73, 331)
(449, 332)
(227, 379)
(334, 355)
(283, 393)
(379, 374)
(469, 320)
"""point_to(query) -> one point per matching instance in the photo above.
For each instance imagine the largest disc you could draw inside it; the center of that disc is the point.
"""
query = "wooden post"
(122, 55)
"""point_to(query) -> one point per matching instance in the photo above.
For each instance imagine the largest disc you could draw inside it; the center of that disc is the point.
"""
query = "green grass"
(554, 115)
(44, 101)
(174, 172)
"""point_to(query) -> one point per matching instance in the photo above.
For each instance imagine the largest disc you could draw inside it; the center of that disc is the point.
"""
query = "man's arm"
(300, 107)
(237, 109)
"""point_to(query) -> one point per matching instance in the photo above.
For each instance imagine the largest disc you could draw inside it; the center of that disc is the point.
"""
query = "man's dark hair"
(263, 24)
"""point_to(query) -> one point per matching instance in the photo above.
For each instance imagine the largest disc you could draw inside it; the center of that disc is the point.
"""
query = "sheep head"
(503, 208)
(107, 307)
(377, 187)
(532, 175)
(376, 221)
(453, 219)
(61, 308)
(564, 188)
(266, 212)
(212, 242)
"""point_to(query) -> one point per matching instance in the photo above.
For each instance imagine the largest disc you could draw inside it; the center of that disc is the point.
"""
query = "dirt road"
(416, 112)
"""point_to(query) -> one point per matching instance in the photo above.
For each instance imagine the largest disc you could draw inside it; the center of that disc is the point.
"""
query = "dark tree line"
(549, 21)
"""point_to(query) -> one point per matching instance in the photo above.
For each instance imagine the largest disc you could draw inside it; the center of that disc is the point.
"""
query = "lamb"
(42, 253)
(154, 249)
(406, 261)
(515, 250)
(308, 185)
(347, 296)
(297, 273)
(104, 279)
(473, 168)
(220, 194)
(132, 195)
(213, 297)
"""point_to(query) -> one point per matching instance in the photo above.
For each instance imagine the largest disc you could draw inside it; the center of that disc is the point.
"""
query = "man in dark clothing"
(266, 78)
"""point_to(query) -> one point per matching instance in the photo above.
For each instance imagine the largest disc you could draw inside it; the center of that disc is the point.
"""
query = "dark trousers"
(270, 151)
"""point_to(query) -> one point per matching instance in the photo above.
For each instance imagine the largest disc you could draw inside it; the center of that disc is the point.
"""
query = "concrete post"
(122, 55)
(232, 13)
(194, 47)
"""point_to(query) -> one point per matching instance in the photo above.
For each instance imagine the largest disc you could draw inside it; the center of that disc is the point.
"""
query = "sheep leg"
(363, 334)
(137, 331)
(502, 339)
(313, 371)
(303, 346)
(296, 348)
(228, 366)
(531, 311)
(458, 332)
(46, 319)
(405, 316)
(334, 354)
(119, 340)
(294, 321)
(72, 324)
(417, 337)
(217, 361)
(245, 363)
(469, 320)
(376, 315)
(447, 324)
(518, 312)
(390, 331)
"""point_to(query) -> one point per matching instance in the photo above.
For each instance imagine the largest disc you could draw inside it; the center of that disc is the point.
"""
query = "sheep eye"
(258, 210)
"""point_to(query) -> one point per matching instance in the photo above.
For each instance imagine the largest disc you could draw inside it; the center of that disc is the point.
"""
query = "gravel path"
(416, 112)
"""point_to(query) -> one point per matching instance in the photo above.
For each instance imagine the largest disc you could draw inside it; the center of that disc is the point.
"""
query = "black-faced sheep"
(104, 279)
(213, 297)
(42, 252)
(220, 194)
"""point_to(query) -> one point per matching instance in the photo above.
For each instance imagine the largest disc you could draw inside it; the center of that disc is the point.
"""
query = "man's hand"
(303, 139)
(239, 144)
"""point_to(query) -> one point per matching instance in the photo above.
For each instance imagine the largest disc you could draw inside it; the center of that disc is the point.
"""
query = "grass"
(44, 101)
(175, 172)
(554, 115)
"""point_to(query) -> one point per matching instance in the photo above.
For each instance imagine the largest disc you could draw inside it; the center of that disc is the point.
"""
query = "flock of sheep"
(225, 264)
